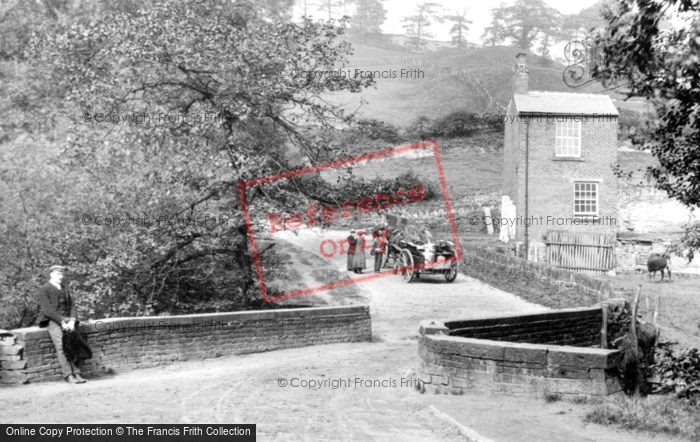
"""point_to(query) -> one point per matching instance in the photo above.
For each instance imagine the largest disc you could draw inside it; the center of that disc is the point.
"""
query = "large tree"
(417, 25)
(584, 23)
(367, 21)
(156, 116)
(331, 7)
(460, 27)
(652, 50)
(522, 23)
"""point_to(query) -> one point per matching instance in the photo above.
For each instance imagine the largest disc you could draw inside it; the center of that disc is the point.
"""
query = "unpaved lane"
(397, 308)
(369, 402)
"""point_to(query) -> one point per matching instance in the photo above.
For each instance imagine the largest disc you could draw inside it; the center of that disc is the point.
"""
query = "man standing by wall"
(58, 314)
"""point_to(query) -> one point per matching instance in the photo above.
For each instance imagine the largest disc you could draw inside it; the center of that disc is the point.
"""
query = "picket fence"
(588, 253)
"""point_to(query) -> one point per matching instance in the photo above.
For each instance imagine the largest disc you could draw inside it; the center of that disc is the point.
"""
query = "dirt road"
(340, 392)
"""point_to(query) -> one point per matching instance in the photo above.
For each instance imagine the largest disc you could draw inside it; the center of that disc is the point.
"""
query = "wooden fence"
(589, 253)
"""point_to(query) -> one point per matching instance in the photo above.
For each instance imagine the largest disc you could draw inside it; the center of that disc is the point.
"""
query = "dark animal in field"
(659, 263)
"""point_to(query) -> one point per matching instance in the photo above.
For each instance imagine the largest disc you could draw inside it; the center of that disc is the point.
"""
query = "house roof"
(564, 103)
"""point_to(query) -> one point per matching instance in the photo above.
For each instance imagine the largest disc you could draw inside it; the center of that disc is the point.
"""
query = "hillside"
(400, 101)
(493, 66)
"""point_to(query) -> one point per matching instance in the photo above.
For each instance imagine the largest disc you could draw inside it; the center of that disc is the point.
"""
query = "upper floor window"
(568, 138)
(585, 199)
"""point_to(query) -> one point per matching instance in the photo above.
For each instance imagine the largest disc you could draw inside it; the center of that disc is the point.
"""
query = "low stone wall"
(631, 255)
(575, 327)
(124, 344)
(454, 363)
(590, 288)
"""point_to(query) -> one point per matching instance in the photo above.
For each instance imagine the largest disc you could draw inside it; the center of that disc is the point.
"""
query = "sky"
(479, 13)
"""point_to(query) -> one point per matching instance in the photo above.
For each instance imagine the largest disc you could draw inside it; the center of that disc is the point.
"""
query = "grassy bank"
(527, 285)
(661, 415)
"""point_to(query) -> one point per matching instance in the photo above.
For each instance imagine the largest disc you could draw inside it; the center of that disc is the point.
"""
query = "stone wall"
(455, 364)
(578, 327)
(631, 255)
(11, 362)
(124, 344)
(645, 209)
(594, 289)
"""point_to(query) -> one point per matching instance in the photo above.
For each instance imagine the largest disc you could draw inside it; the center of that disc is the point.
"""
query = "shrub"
(420, 128)
(379, 130)
(678, 370)
(455, 124)
(354, 187)
(452, 125)
(631, 122)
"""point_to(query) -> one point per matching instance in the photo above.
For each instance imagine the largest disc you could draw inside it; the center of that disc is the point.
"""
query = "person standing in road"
(360, 259)
(353, 239)
(379, 248)
(57, 314)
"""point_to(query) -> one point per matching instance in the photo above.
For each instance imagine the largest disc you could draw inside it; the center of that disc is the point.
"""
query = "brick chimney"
(520, 75)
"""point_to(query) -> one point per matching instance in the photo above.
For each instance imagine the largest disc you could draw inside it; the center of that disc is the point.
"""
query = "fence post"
(489, 226)
(604, 329)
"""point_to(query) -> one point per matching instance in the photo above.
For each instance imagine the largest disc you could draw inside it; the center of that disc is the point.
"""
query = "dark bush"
(631, 122)
(453, 125)
(379, 130)
(456, 124)
(357, 187)
(420, 128)
(678, 371)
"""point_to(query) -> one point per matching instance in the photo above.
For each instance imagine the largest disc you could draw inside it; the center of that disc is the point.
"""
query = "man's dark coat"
(48, 295)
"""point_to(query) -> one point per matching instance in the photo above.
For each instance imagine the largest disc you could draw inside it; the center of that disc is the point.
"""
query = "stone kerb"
(455, 364)
(123, 344)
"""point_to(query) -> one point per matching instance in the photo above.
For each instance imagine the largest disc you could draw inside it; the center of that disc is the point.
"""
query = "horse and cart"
(411, 259)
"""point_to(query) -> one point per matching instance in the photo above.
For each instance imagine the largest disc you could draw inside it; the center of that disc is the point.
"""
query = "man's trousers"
(378, 261)
(56, 333)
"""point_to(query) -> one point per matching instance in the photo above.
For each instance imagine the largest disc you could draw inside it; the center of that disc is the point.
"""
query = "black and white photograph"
(350, 220)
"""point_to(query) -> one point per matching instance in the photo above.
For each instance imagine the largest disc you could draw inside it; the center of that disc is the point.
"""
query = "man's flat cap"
(59, 268)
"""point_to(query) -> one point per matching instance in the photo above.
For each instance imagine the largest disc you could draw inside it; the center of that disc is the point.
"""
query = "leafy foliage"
(584, 24)
(634, 366)
(417, 25)
(368, 19)
(452, 125)
(652, 50)
(146, 212)
(522, 23)
(460, 27)
(632, 122)
(377, 186)
(379, 130)
(678, 371)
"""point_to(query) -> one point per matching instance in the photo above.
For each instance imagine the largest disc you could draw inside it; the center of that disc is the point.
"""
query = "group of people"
(357, 261)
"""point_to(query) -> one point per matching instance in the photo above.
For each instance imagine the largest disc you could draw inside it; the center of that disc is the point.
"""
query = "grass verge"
(662, 415)
(526, 285)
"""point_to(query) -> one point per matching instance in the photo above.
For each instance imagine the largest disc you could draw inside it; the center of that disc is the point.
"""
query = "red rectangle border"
(432, 144)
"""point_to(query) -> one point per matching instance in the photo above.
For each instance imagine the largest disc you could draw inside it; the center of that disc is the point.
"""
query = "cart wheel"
(451, 274)
(406, 266)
